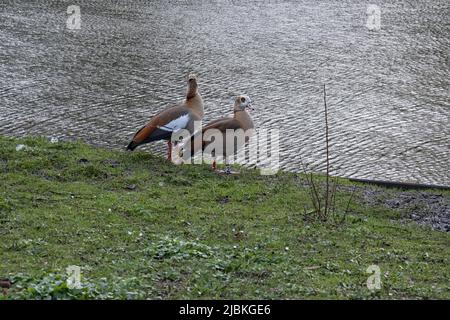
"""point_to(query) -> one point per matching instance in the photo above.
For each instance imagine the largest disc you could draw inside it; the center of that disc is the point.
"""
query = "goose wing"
(221, 124)
(162, 125)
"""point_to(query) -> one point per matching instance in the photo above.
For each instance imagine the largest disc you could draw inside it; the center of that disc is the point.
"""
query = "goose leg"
(169, 150)
(214, 165)
(227, 169)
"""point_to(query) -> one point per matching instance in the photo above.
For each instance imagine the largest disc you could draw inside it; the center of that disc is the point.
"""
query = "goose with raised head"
(172, 119)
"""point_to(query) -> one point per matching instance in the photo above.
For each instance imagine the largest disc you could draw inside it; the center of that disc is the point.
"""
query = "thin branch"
(311, 189)
(333, 196)
(349, 200)
(316, 196)
(328, 151)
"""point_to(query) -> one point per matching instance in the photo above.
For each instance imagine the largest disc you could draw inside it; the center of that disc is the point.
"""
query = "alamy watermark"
(260, 148)
(74, 277)
(74, 20)
(373, 17)
(374, 281)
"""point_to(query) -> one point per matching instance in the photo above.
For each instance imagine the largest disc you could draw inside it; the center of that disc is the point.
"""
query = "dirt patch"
(111, 163)
(426, 208)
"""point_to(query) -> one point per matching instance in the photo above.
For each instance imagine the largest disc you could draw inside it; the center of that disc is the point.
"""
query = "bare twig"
(312, 190)
(349, 201)
(324, 198)
(333, 195)
(327, 192)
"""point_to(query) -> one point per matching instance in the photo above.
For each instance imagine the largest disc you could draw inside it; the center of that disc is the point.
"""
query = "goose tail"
(131, 146)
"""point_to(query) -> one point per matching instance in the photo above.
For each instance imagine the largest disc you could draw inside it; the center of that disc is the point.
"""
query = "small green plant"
(51, 286)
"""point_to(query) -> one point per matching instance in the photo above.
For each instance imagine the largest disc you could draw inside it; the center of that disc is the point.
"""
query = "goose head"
(242, 103)
(192, 85)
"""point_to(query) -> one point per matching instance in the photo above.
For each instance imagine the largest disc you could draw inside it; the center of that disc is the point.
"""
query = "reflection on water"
(388, 90)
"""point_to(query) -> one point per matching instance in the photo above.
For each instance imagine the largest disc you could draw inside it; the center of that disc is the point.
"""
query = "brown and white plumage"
(241, 120)
(172, 119)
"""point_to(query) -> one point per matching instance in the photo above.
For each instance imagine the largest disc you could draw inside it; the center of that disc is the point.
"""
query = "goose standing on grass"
(241, 120)
(172, 119)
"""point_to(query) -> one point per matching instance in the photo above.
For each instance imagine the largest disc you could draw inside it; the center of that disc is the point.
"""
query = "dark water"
(388, 90)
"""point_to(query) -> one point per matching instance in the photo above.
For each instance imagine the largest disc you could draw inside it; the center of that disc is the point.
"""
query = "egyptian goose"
(241, 120)
(172, 119)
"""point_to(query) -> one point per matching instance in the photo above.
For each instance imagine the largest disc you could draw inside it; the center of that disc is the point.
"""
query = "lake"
(387, 90)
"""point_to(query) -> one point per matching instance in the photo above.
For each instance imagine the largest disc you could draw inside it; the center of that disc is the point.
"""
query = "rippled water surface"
(388, 90)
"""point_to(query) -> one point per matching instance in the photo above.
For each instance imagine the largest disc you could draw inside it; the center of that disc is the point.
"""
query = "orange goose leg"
(169, 150)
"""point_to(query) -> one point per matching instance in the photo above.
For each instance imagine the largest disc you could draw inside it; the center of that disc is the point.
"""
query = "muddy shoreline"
(430, 208)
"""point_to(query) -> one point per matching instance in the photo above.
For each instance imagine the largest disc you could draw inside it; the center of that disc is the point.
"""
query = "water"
(388, 90)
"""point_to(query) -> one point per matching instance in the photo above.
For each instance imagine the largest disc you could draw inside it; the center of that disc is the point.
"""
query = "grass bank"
(139, 227)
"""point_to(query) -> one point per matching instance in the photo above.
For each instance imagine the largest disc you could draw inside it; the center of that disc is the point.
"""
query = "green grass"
(140, 227)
